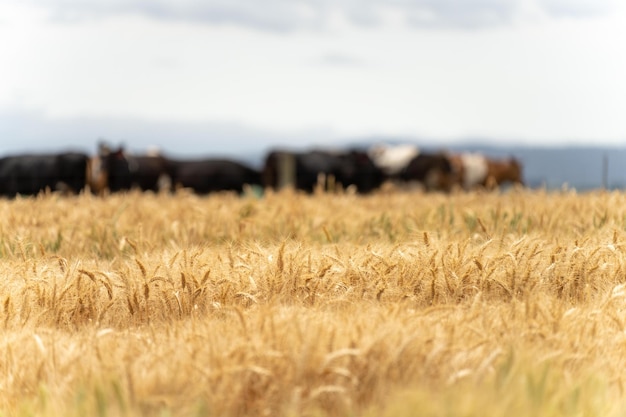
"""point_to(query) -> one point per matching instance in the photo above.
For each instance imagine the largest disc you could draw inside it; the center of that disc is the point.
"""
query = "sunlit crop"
(392, 304)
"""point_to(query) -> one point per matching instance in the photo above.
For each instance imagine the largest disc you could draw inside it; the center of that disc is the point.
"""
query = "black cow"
(433, 170)
(119, 171)
(116, 170)
(30, 174)
(302, 170)
(204, 176)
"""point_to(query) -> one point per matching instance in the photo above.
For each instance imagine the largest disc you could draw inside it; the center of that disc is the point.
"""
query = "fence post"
(286, 170)
(605, 171)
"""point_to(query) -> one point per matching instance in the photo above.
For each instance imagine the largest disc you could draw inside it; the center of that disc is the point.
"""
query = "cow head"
(109, 169)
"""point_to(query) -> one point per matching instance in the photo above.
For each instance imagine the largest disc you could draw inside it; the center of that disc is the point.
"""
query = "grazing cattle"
(303, 170)
(433, 170)
(32, 173)
(392, 159)
(470, 169)
(476, 170)
(210, 175)
(147, 172)
(117, 170)
(503, 171)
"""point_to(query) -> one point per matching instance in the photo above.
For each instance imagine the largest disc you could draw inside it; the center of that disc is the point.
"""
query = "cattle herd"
(364, 170)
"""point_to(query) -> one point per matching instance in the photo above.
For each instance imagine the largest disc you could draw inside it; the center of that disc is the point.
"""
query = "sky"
(235, 76)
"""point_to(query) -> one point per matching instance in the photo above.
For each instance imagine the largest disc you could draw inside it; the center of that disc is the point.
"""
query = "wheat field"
(392, 304)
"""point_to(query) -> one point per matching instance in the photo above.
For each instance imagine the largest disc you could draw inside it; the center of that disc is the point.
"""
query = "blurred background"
(542, 80)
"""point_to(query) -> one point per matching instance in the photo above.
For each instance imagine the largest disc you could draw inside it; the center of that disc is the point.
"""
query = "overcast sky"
(219, 76)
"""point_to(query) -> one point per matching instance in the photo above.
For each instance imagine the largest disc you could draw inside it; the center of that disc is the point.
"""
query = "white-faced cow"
(470, 168)
(475, 170)
(392, 159)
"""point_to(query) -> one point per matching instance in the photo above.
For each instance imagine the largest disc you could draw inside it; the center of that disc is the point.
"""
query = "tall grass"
(327, 305)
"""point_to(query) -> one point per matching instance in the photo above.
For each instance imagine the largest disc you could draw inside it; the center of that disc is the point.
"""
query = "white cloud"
(578, 8)
(538, 78)
(290, 15)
